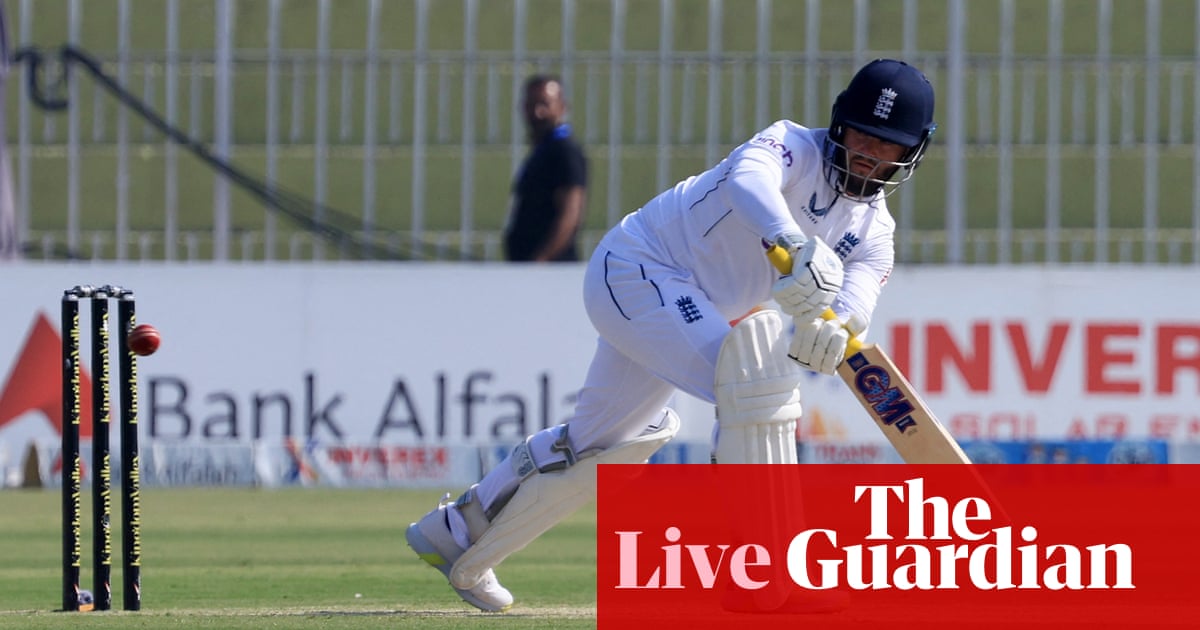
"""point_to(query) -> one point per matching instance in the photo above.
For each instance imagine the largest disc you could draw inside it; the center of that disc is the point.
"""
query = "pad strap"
(524, 465)
(546, 498)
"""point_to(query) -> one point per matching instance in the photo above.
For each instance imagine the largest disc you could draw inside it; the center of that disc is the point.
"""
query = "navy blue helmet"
(890, 100)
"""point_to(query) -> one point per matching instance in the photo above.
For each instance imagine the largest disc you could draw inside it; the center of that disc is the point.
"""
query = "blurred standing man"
(550, 188)
(661, 289)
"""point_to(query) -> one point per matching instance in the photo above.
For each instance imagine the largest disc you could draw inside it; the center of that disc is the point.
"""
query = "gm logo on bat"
(888, 402)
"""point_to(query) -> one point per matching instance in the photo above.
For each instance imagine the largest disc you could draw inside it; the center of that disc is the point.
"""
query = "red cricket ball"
(144, 339)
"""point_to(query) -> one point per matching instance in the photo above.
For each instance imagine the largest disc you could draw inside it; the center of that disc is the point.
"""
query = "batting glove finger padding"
(819, 344)
(815, 280)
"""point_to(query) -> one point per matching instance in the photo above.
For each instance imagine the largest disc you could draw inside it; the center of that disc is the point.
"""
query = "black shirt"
(555, 163)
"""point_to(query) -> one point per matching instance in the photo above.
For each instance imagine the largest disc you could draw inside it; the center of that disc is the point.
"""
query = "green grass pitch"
(289, 558)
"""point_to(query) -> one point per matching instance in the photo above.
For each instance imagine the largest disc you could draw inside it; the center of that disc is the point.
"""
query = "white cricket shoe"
(430, 537)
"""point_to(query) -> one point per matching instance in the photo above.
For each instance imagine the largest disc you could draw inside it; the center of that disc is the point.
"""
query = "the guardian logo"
(945, 546)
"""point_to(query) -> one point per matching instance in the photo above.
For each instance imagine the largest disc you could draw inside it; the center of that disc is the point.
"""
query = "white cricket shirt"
(712, 225)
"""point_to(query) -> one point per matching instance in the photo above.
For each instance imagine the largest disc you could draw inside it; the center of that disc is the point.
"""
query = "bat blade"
(897, 410)
(888, 397)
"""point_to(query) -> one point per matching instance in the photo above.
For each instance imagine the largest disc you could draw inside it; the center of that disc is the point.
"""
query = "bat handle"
(854, 344)
(782, 261)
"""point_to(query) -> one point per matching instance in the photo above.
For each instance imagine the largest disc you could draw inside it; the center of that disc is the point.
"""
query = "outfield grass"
(296, 558)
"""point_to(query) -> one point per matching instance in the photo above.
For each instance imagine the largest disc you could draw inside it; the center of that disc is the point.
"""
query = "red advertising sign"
(895, 546)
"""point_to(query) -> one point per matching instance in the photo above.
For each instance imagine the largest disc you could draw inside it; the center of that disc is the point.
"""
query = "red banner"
(894, 546)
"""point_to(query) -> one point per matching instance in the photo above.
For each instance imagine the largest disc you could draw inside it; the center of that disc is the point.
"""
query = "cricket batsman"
(661, 289)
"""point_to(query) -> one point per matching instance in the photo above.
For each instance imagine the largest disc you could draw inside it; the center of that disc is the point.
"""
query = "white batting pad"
(758, 395)
(546, 498)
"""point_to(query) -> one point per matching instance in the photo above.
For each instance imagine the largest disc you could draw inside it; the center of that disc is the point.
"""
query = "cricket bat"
(888, 397)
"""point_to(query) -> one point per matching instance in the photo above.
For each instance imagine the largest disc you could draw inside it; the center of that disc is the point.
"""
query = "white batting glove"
(820, 344)
(815, 280)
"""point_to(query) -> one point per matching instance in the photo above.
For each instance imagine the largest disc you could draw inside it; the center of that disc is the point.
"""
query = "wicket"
(101, 466)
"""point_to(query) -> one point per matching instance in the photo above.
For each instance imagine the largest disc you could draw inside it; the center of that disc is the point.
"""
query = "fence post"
(222, 126)
(1150, 137)
(370, 77)
(617, 45)
(420, 94)
(321, 139)
(666, 78)
(956, 128)
(467, 179)
(272, 121)
(1103, 136)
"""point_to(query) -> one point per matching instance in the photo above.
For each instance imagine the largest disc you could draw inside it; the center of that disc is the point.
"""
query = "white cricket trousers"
(658, 333)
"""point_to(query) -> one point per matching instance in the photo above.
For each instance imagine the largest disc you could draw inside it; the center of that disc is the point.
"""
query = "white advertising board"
(421, 354)
(1015, 354)
(364, 354)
